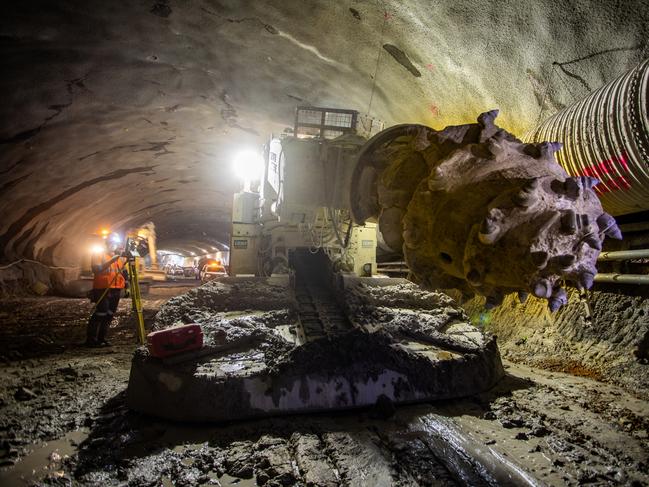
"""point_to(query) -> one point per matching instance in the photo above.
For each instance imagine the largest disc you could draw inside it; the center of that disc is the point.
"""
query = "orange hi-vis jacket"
(111, 277)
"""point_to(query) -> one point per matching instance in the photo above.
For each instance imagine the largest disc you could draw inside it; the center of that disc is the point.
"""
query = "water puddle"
(43, 461)
(225, 481)
(470, 459)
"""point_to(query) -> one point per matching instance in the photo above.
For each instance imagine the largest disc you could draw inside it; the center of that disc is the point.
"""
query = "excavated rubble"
(472, 207)
(416, 344)
(224, 311)
(239, 293)
(405, 311)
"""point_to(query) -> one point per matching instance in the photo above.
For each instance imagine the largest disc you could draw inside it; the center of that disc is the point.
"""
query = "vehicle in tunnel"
(211, 271)
(174, 271)
(190, 271)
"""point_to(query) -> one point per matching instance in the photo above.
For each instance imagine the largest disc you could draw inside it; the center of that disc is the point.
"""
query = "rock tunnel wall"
(611, 345)
(32, 277)
(116, 113)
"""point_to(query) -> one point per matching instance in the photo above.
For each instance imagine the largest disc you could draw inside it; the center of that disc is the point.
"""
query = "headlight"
(249, 166)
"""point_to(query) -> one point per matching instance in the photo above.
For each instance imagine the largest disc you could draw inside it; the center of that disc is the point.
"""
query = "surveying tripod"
(136, 297)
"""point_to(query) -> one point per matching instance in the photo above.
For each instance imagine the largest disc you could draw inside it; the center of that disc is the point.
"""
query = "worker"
(109, 270)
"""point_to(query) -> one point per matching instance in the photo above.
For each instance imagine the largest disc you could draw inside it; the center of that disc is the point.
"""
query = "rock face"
(474, 208)
(605, 336)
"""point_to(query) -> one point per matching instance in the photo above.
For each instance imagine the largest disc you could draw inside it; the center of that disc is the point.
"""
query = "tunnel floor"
(63, 421)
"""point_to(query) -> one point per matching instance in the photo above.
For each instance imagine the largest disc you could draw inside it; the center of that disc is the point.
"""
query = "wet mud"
(409, 349)
(547, 428)
(202, 303)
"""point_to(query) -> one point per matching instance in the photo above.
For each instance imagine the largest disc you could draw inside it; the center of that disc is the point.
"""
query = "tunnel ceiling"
(122, 112)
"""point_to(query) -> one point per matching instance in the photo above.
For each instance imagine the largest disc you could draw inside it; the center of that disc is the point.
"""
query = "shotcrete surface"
(117, 113)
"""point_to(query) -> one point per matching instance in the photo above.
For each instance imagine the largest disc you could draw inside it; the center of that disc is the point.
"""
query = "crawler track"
(319, 313)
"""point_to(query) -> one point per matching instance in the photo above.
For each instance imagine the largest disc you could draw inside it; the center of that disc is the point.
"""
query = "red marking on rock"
(387, 15)
(434, 109)
(430, 67)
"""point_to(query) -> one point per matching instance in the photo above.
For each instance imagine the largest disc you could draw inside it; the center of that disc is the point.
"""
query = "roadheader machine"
(469, 207)
(305, 323)
(303, 200)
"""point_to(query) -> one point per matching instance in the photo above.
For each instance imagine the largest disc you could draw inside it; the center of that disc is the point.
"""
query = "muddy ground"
(63, 421)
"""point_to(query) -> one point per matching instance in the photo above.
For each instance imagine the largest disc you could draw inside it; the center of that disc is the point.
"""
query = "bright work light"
(249, 167)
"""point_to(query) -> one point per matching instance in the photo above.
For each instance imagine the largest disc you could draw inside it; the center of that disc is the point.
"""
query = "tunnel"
(323, 243)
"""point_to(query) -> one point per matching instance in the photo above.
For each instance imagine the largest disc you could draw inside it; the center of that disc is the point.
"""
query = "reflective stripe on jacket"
(111, 277)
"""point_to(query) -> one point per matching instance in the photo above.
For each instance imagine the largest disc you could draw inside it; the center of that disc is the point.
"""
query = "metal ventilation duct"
(606, 136)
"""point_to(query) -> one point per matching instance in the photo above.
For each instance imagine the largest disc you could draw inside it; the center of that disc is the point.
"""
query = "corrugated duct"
(606, 136)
